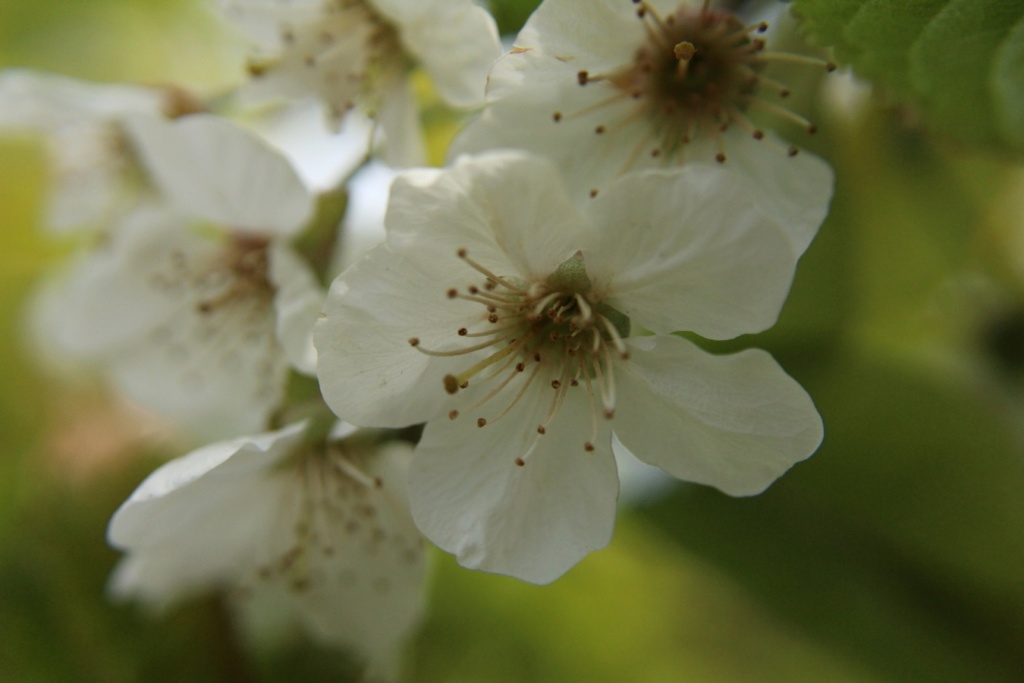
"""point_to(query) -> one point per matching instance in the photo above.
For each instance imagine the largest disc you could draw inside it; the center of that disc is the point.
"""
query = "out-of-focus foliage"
(896, 553)
(961, 61)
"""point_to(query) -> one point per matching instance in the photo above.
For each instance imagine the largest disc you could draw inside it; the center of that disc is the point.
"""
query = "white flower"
(503, 317)
(95, 178)
(357, 54)
(603, 91)
(198, 309)
(324, 531)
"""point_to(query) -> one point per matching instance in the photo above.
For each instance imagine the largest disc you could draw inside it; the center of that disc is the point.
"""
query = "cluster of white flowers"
(612, 192)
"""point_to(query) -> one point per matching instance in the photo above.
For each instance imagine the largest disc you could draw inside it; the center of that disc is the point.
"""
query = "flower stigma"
(697, 74)
(555, 330)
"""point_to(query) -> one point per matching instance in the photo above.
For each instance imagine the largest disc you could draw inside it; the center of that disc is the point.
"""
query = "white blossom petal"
(220, 172)
(592, 32)
(50, 102)
(190, 521)
(533, 521)
(369, 374)
(455, 40)
(398, 115)
(689, 249)
(508, 210)
(735, 422)
(298, 300)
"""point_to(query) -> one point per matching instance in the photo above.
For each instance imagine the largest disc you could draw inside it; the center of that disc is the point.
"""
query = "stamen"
(496, 390)
(519, 394)
(464, 255)
(584, 306)
(783, 113)
(588, 445)
(490, 303)
(659, 23)
(491, 332)
(463, 377)
(616, 338)
(354, 473)
(415, 343)
(556, 401)
(791, 58)
(608, 387)
(592, 107)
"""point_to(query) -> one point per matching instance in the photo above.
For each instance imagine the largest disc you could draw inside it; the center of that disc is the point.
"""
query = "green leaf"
(897, 544)
(960, 61)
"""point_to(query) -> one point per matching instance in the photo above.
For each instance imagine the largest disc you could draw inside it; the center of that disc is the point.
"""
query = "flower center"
(332, 514)
(554, 330)
(244, 271)
(345, 54)
(697, 74)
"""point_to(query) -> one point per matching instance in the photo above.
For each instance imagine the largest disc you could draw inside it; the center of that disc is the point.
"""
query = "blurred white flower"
(357, 54)
(506, 319)
(96, 178)
(322, 531)
(607, 86)
(197, 309)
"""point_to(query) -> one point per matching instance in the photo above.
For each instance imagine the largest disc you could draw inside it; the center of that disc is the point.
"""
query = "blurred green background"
(896, 553)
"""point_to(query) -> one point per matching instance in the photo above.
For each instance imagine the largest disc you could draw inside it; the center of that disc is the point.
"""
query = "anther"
(414, 341)
(452, 414)
(541, 429)
(463, 331)
(520, 462)
(582, 77)
(555, 384)
(593, 193)
(557, 116)
(792, 151)
(461, 252)
(451, 384)
(599, 129)
(720, 157)
(520, 367)
(452, 293)
(481, 422)
(609, 413)
(588, 447)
